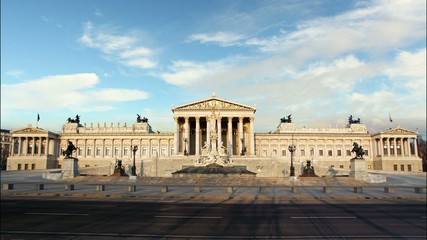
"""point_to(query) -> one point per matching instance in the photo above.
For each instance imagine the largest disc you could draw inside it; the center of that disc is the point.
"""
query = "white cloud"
(124, 48)
(224, 39)
(73, 91)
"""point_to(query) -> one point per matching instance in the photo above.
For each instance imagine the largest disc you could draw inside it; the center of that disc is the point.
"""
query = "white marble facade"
(161, 153)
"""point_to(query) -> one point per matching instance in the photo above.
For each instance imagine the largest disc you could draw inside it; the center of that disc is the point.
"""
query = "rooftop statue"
(75, 120)
(286, 120)
(351, 121)
(139, 120)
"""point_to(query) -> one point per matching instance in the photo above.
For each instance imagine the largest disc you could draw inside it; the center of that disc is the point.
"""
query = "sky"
(319, 60)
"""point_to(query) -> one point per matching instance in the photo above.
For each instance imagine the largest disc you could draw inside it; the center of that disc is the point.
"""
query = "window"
(330, 153)
(402, 167)
(125, 151)
(409, 168)
(348, 153)
(395, 167)
(320, 152)
(339, 153)
(302, 152)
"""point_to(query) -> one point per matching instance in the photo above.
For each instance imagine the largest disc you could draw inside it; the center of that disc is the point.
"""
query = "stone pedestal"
(70, 168)
(358, 168)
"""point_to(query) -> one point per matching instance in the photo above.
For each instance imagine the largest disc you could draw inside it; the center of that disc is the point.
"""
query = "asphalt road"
(97, 219)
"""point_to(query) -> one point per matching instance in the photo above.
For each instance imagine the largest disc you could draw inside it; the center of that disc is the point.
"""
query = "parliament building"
(159, 154)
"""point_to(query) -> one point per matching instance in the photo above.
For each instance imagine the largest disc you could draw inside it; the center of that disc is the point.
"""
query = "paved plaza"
(233, 190)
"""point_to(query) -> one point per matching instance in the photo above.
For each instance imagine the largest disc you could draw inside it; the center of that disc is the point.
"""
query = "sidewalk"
(30, 184)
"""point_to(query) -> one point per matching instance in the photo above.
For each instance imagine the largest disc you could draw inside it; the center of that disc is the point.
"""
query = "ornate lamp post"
(134, 149)
(292, 150)
(185, 146)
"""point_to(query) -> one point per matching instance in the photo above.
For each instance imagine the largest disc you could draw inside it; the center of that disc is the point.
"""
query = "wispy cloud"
(73, 91)
(126, 49)
(224, 39)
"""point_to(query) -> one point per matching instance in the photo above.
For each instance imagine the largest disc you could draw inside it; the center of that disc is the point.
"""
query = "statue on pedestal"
(69, 151)
(358, 150)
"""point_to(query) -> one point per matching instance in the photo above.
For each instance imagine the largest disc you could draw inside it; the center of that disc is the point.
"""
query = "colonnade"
(396, 146)
(236, 134)
(36, 146)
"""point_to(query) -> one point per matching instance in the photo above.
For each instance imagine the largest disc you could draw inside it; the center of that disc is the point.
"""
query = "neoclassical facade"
(232, 123)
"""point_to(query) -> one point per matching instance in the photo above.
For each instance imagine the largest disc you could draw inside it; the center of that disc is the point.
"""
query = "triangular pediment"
(398, 130)
(214, 103)
(30, 130)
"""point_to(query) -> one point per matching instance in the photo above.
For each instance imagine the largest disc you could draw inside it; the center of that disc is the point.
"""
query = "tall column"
(395, 147)
(197, 135)
(40, 146)
(230, 136)
(252, 137)
(219, 133)
(176, 136)
(208, 132)
(187, 134)
(240, 134)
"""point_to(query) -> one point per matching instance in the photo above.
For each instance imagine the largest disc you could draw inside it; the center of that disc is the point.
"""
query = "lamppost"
(292, 150)
(243, 146)
(185, 146)
(134, 149)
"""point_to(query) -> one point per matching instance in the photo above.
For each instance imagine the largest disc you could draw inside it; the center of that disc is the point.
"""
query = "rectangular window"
(320, 152)
(339, 153)
(409, 168)
(330, 153)
(395, 167)
(402, 167)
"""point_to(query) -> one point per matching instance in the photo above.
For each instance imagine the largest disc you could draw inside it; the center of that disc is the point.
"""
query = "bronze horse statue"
(358, 150)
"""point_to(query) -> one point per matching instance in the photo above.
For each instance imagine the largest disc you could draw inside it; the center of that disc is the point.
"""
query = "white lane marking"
(337, 217)
(169, 216)
(59, 214)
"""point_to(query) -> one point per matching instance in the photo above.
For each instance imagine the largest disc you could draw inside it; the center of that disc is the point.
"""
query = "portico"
(233, 125)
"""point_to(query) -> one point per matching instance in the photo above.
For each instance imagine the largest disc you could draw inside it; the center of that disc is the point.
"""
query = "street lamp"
(292, 150)
(185, 146)
(134, 149)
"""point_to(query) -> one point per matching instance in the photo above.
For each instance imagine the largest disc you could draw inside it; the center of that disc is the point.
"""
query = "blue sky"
(108, 60)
